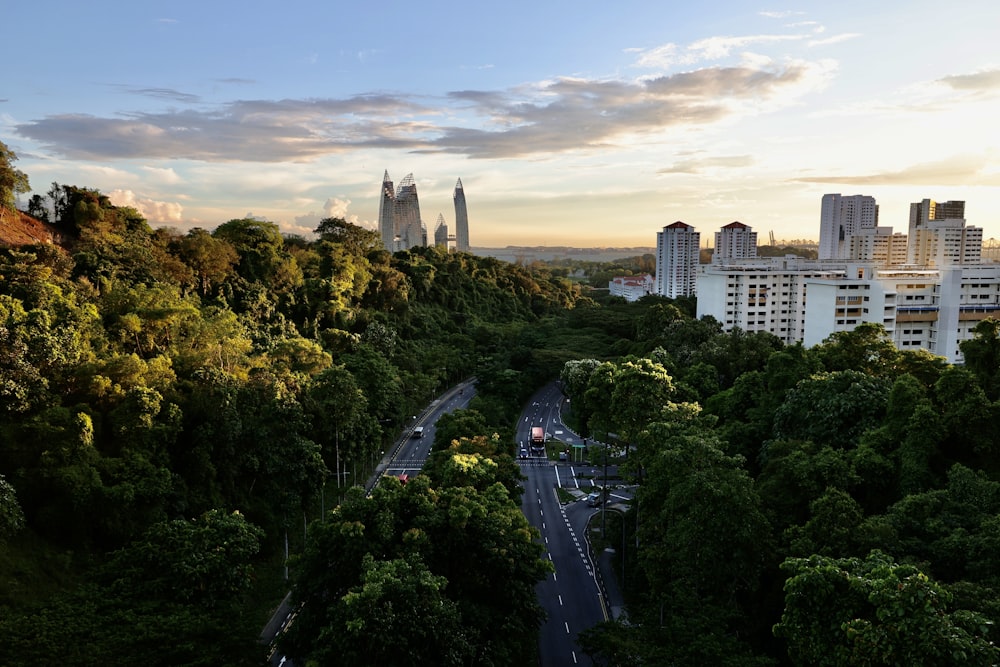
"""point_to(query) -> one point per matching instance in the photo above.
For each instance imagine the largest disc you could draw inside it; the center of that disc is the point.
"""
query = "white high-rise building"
(734, 241)
(677, 248)
(938, 235)
(842, 217)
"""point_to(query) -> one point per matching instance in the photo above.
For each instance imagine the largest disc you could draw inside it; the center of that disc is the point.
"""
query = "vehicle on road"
(418, 432)
(524, 453)
(594, 499)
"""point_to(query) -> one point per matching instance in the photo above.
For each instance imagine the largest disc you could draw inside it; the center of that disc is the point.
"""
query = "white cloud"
(834, 39)
(155, 212)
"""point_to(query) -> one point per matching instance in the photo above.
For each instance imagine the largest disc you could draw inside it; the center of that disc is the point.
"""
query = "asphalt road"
(571, 597)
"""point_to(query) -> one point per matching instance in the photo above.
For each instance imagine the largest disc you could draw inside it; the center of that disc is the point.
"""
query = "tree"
(12, 181)
(212, 259)
(37, 208)
(866, 349)
(356, 240)
(872, 611)
(452, 547)
(832, 408)
(204, 561)
(11, 516)
(398, 614)
(982, 355)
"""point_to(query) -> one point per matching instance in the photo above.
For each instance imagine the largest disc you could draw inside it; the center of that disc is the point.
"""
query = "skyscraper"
(409, 229)
(677, 248)
(734, 241)
(386, 219)
(843, 217)
(399, 215)
(461, 219)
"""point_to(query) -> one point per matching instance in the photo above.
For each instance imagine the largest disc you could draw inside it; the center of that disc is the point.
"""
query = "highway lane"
(411, 452)
(571, 597)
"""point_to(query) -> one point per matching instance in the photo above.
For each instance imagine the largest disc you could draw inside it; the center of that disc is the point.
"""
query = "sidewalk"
(609, 575)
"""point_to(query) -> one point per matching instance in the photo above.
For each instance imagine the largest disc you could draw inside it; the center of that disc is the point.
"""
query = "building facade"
(734, 242)
(441, 232)
(842, 217)
(677, 248)
(632, 288)
(932, 304)
(399, 222)
(461, 219)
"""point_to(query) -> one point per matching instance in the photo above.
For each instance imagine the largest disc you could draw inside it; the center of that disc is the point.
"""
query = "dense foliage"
(440, 570)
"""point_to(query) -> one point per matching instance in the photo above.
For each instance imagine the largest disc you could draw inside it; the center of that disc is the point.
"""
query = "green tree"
(872, 611)
(866, 349)
(832, 408)
(12, 181)
(982, 355)
(11, 516)
(398, 614)
(212, 259)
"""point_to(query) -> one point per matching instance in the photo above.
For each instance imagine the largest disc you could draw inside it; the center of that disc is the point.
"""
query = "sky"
(570, 123)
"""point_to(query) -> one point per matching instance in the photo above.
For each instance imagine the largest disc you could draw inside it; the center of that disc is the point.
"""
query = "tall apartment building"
(842, 217)
(677, 248)
(928, 222)
(461, 219)
(733, 242)
(938, 235)
(399, 221)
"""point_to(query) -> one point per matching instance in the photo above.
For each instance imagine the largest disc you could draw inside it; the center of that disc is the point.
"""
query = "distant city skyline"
(627, 118)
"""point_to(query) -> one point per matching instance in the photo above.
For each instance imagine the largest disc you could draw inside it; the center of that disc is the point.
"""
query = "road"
(571, 597)
(411, 452)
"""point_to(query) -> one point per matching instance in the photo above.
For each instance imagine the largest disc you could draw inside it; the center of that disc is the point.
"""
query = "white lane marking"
(560, 601)
(567, 626)
(574, 656)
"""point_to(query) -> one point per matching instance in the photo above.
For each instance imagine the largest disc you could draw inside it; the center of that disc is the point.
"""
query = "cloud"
(779, 15)
(561, 115)
(697, 165)
(166, 94)
(983, 80)
(834, 39)
(962, 170)
(711, 48)
(332, 208)
(155, 212)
